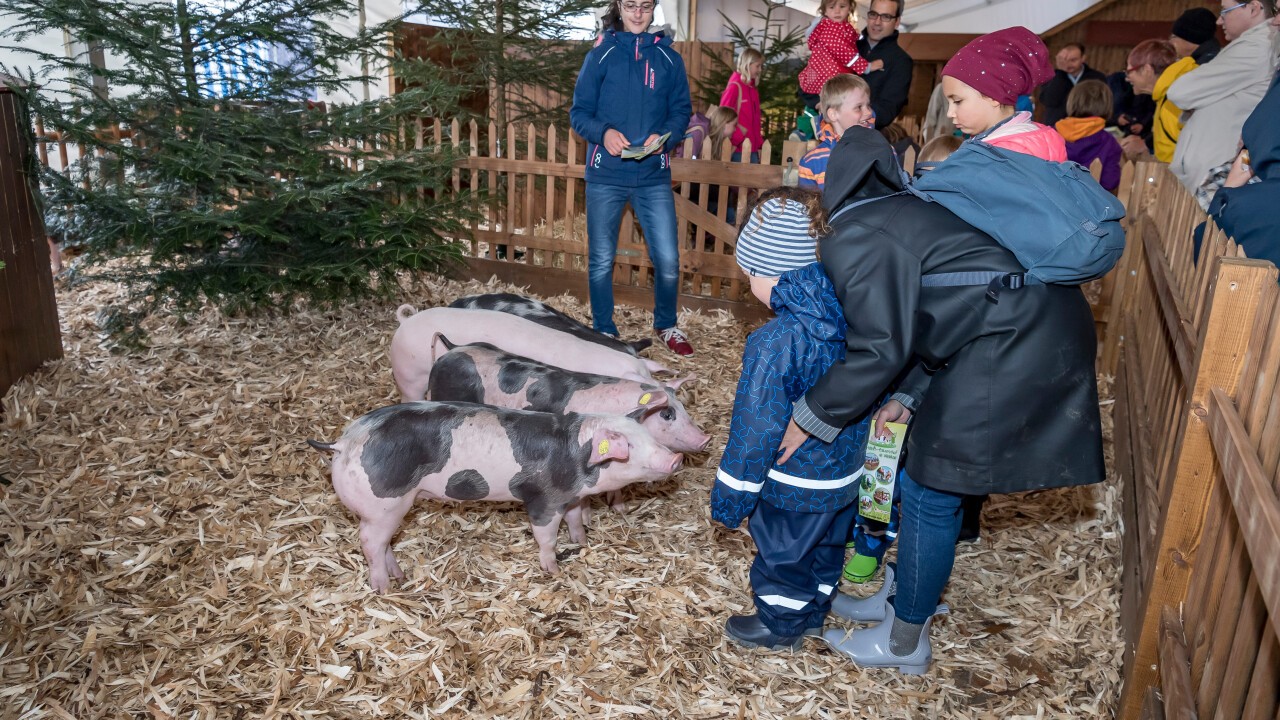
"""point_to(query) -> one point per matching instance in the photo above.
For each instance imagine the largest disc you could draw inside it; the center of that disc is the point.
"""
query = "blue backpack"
(1054, 217)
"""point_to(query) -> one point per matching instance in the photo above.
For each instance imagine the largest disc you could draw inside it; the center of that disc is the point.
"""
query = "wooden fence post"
(1242, 292)
(29, 333)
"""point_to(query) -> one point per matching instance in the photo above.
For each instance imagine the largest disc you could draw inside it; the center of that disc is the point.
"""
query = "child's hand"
(892, 412)
(875, 65)
(791, 440)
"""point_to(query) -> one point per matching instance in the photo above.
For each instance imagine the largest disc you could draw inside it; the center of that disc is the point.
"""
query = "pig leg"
(545, 535)
(614, 498)
(375, 540)
(574, 519)
(411, 384)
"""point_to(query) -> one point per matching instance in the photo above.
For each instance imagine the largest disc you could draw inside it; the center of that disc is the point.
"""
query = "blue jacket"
(635, 84)
(781, 361)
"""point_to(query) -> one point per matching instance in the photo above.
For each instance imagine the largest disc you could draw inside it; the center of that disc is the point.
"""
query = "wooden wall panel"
(1111, 58)
(29, 333)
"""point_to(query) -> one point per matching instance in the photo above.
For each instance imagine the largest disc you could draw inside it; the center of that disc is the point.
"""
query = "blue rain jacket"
(780, 362)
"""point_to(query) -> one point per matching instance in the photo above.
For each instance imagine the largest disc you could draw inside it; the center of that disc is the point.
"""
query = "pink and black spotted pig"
(388, 458)
(481, 373)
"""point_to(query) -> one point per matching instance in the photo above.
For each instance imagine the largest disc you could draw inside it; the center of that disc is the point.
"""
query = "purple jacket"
(1100, 145)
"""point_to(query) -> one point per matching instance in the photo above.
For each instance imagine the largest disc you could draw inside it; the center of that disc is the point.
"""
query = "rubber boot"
(868, 609)
(870, 647)
(749, 631)
(861, 568)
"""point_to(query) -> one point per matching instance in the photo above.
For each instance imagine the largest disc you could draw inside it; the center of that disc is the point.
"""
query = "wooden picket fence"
(1195, 348)
(534, 232)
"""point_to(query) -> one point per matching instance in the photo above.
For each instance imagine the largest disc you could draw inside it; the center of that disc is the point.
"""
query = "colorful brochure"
(635, 152)
(880, 470)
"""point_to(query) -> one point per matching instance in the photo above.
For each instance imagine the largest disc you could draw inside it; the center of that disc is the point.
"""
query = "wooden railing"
(534, 234)
(1196, 352)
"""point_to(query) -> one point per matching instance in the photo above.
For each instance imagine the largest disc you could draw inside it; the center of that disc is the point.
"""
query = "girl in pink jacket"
(833, 49)
(741, 96)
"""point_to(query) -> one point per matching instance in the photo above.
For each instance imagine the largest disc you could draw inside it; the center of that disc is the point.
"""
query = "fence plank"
(1242, 290)
(1175, 675)
(1264, 686)
(1252, 496)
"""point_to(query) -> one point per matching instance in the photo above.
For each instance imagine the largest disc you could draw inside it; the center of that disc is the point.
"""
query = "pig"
(412, 346)
(544, 314)
(481, 373)
(390, 457)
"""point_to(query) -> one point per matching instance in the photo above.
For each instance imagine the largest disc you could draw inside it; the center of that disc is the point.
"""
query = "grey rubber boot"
(870, 647)
(868, 609)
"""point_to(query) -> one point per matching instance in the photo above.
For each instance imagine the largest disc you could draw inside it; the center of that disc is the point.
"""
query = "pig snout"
(676, 461)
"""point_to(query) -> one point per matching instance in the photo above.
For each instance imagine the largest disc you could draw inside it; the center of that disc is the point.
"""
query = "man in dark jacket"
(889, 87)
(1071, 70)
(1004, 393)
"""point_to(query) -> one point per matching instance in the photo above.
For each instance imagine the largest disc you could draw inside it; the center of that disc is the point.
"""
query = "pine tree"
(777, 83)
(510, 48)
(202, 185)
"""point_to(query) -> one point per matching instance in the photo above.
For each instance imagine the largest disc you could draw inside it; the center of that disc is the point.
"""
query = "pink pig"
(413, 347)
(481, 373)
(388, 458)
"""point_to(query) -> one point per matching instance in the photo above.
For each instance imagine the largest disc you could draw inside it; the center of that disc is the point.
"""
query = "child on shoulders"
(833, 49)
(801, 512)
(1088, 106)
(845, 102)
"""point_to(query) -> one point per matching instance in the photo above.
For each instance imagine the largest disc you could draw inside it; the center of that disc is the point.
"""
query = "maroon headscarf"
(1002, 65)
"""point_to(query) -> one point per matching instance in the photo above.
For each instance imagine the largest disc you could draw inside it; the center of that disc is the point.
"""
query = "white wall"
(983, 16)
(712, 28)
(375, 12)
(50, 42)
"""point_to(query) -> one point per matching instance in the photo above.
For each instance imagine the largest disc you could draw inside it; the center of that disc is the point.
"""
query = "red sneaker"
(676, 341)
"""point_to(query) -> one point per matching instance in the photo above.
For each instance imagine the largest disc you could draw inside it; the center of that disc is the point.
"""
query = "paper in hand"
(635, 152)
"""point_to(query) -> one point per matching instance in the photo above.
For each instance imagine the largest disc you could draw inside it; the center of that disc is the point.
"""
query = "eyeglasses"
(638, 8)
(1234, 7)
(873, 15)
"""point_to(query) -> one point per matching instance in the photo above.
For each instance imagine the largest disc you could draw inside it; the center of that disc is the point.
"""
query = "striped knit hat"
(776, 239)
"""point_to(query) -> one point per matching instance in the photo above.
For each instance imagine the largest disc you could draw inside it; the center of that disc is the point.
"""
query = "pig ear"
(676, 383)
(651, 400)
(608, 445)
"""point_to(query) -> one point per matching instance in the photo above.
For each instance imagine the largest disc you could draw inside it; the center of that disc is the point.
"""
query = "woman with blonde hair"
(741, 96)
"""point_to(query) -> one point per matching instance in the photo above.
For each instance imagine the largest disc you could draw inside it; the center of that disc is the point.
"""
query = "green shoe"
(860, 569)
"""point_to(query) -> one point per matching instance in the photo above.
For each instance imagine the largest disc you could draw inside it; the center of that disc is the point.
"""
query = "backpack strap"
(862, 202)
(994, 280)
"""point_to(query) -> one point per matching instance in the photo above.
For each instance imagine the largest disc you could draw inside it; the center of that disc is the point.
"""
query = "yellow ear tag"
(603, 448)
(645, 398)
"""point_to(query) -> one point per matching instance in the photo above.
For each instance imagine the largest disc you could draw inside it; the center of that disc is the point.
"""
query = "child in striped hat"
(802, 511)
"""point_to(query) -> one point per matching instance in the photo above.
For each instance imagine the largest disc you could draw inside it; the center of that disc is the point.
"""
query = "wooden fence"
(29, 333)
(1196, 351)
(535, 229)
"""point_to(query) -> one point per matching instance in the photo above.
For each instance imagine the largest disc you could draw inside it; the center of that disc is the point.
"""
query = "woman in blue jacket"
(632, 90)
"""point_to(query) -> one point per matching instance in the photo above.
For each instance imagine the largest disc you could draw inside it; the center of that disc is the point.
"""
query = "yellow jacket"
(1167, 125)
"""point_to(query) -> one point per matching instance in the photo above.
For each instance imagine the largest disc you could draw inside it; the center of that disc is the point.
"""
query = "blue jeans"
(926, 548)
(655, 208)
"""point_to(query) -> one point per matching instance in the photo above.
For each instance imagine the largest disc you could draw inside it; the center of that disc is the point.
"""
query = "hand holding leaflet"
(636, 152)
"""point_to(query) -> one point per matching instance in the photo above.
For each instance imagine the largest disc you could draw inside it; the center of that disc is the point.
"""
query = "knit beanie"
(1002, 65)
(776, 239)
(1196, 25)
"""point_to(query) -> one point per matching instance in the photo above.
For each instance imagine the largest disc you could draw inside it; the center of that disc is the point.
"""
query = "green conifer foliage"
(244, 194)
